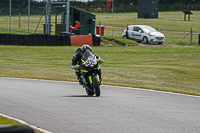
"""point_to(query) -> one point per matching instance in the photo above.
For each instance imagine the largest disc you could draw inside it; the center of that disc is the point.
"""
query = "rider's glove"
(76, 67)
(101, 61)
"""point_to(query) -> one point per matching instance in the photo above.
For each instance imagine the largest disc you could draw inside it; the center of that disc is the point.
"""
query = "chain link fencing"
(20, 23)
(171, 37)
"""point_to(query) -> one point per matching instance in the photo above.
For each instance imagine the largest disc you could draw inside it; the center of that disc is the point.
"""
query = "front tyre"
(145, 40)
(89, 93)
(96, 86)
(124, 37)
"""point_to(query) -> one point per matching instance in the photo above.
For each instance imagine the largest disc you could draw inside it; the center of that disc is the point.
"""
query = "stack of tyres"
(45, 40)
(0, 39)
(94, 40)
(59, 40)
(22, 40)
(8, 38)
(26, 39)
(69, 41)
(36, 39)
(31, 40)
(55, 40)
(98, 38)
(49, 40)
(41, 40)
(1, 36)
(12, 39)
(17, 39)
(3, 39)
(66, 40)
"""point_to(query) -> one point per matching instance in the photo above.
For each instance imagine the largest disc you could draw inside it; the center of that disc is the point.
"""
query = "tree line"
(99, 6)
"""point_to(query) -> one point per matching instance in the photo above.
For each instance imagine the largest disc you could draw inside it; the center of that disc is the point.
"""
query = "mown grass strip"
(174, 69)
(9, 122)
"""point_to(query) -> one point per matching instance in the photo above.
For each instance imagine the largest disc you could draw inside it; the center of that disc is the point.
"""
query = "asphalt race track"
(63, 107)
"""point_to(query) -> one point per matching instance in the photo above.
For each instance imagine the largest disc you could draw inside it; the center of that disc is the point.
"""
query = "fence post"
(100, 28)
(112, 7)
(191, 37)
(28, 15)
(10, 16)
(19, 20)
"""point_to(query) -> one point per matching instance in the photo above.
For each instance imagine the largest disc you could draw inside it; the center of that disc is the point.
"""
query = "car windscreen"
(149, 29)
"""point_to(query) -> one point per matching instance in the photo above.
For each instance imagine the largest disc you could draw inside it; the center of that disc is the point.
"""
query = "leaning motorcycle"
(90, 66)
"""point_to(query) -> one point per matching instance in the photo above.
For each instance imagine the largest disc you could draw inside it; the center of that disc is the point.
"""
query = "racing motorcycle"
(90, 66)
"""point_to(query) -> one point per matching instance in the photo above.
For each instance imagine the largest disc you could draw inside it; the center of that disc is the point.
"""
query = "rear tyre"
(145, 40)
(96, 86)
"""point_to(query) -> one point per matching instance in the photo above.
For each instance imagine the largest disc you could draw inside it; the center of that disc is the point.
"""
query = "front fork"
(91, 82)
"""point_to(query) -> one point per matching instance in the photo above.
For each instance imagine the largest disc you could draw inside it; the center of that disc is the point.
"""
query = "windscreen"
(149, 29)
(88, 55)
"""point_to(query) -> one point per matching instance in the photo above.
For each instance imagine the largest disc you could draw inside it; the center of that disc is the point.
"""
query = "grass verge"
(9, 122)
(174, 69)
(120, 41)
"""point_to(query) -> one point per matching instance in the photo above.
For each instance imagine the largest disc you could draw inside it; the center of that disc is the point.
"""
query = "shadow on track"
(78, 96)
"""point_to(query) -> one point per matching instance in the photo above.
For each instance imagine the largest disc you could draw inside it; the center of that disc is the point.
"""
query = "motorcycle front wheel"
(96, 86)
(89, 93)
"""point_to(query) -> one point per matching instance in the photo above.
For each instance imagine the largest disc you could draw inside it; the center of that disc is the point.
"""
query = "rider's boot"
(79, 77)
(80, 81)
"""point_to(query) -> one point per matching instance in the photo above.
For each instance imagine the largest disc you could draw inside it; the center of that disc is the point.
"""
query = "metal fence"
(16, 18)
(17, 21)
(26, 18)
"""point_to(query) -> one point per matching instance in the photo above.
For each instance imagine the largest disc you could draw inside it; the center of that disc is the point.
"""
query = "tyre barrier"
(3, 39)
(41, 39)
(16, 129)
(96, 40)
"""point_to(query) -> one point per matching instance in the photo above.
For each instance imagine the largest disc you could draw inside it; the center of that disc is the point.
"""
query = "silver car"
(143, 33)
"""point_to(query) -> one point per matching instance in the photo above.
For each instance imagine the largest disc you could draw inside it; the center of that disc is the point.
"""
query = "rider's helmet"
(85, 47)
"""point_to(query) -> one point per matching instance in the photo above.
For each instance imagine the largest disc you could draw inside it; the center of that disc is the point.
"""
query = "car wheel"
(145, 40)
(124, 37)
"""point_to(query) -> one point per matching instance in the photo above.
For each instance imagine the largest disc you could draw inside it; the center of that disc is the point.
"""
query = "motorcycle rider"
(76, 60)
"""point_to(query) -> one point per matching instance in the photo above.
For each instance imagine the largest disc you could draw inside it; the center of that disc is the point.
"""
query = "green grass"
(5, 121)
(120, 41)
(174, 69)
